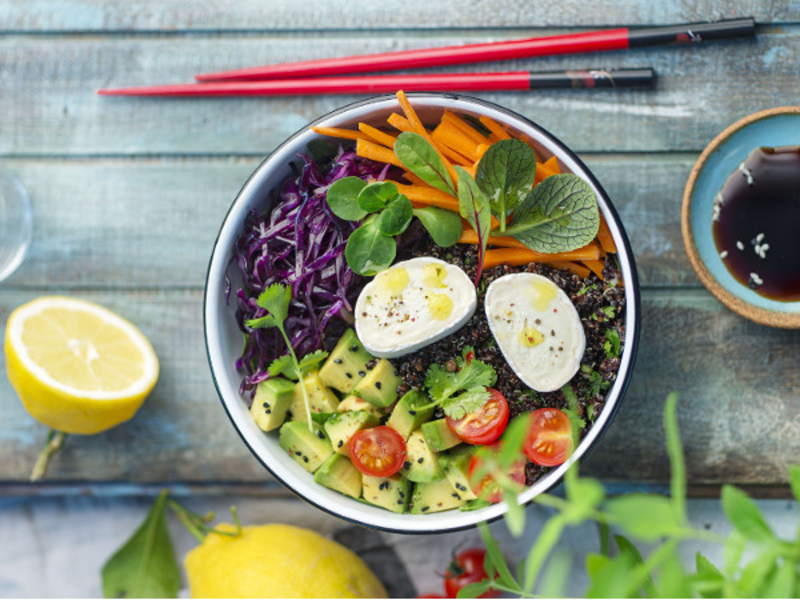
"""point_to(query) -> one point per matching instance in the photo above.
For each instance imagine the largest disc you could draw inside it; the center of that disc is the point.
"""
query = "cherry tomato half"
(549, 440)
(487, 488)
(379, 451)
(484, 425)
(467, 567)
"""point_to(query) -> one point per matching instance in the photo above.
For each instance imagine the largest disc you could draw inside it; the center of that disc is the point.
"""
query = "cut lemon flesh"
(78, 367)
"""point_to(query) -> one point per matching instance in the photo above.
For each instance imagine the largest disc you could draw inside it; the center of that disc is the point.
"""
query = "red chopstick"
(593, 41)
(449, 82)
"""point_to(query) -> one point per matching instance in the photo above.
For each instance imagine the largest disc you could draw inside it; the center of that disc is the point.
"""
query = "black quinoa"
(600, 304)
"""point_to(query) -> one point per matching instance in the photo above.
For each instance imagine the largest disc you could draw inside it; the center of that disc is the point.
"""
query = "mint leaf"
(145, 566)
(342, 198)
(445, 226)
(505, 174)
(559, 215)
(369, 251)
(395, 218)
(419, 157)
(376, 195)
(474, 207)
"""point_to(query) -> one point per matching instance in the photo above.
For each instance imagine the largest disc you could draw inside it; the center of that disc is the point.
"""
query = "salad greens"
(506, 174)
(284, 366)
(419, 157)
(475, 208)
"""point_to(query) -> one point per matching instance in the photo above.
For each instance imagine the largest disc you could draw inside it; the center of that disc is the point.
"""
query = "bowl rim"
(632, 317)
(738, 304)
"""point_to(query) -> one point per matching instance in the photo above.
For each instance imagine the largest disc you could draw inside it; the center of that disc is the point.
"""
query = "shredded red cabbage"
(298, 242)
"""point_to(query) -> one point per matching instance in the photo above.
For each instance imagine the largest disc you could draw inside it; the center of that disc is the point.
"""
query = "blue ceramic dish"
(769, 128)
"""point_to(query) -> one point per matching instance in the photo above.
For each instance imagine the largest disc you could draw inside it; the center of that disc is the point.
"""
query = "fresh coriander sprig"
(460, 391)
(283, 364)
(275, 300)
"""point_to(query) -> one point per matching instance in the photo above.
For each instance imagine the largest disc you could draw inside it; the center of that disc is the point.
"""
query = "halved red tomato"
(549, 441)
(487, 487)
(484, 425)
(379, 451)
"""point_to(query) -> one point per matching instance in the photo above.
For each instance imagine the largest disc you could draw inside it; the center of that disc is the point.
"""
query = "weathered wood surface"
(129, 195)
(49, 105)
(278, 15)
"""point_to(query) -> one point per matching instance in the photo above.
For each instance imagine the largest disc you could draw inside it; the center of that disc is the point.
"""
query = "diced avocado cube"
(439, 436)
(309, 447)
(270, 403)
(404, 418)
(340, 427)
(355, 403)
(422, 464)
(321, 398)
(379, 387)
(456, 469)
(392, 493)
(346, 365)
(338, 473)
(434, 496)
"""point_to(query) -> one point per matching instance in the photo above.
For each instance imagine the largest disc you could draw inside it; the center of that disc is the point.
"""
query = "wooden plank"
(50, 109)
(261, 15)
(739, 408)
(151, 223)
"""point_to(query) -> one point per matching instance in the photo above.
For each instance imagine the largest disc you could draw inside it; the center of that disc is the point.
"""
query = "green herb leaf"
(283, 365)
(376, 195)
(572, 413)
(559, 215)
(610, 576)
(515, 515)
(474, 590)
(733, 549)
(612, 345)
(512, 441)
(556, 576)
(494, 554)
(472, 375)
(419, 157)
(474, 207)
(626, 547)
(275, 300)
(647, 517)
(368, 251)
(672, 580)
(395, 218)
(342, 198)
(745, 516)
(708, 581)
(265, 322)
(505, 174)
(756, 573)
(145, 566)
(457, 407)
(794, 479)
(781, 583)
(676, 460)
(445, 226)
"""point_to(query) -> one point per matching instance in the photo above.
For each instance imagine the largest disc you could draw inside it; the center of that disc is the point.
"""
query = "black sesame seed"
(412, 412)
(354, 348)
(456, 496)
(340, 444)
(265, 405)
(378, 384)
(349, 375)
(267, 411)
(298, 453)
(305, 459)
(362, 373)
(320, 435)
(337, 361)
(420, 460)
(424, 508)
(406, 465)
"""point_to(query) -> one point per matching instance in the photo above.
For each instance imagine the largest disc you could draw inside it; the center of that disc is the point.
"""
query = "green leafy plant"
(475, 208)
(757, 563)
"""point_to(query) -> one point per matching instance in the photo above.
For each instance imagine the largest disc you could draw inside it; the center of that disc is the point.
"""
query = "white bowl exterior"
(224, 340)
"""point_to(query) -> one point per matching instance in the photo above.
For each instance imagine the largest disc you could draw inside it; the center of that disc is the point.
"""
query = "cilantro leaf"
(312, 360)
(282, 365)
(275, 300)
(613, 343)
(471, 377)
(456, 407)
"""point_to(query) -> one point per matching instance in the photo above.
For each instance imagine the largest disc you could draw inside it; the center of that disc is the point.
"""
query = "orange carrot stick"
(379, 136)
(576, 268)
(399, 122)
(547, 168)
(377, 153)
(465, 127)
(596, 266)
(604, 236)
(518, 257)
(428, 196)
(449, 135)
(455, 156)
(470, 236)
(347, 134)
(494, 127)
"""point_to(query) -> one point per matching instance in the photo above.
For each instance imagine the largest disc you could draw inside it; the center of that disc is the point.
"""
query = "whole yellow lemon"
(277, 561)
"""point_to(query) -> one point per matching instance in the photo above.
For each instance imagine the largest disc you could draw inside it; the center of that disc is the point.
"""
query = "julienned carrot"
(547, 168)
(470, 236)
(465, 127)
(517, 257)
(346, 134)
(419, 128)
(427, 196)
(482, 148)
(462, 161)
(596, 266)
(399, 122)
(579, 270)
(447, 134)
(377, 153)
(604, 236)
(379, 136)
(494, 127)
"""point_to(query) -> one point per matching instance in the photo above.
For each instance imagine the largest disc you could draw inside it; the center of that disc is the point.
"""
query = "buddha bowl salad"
(411, 293)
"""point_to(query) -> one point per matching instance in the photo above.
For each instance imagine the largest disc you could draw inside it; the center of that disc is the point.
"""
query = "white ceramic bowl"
(224, 340)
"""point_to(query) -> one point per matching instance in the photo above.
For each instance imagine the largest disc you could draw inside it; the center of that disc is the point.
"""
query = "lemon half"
(77, 366)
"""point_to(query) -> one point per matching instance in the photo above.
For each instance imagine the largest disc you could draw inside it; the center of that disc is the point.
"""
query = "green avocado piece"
(355, 403)
(271, 402)
(338, 473)
(340, 427)
(456, 469)
(379, 386)
(422, 464)
(404, 419)
(309, 447)
(434, 496)
(346, 365)
(321, 398)
(391, 493)
(439, 436)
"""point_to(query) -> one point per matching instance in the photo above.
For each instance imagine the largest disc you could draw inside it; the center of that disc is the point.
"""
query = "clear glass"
(16, 224)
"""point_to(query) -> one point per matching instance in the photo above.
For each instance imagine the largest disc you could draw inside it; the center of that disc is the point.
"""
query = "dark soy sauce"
(756, 223)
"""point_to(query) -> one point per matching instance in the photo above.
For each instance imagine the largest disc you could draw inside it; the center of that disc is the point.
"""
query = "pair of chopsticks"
(335, 75)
